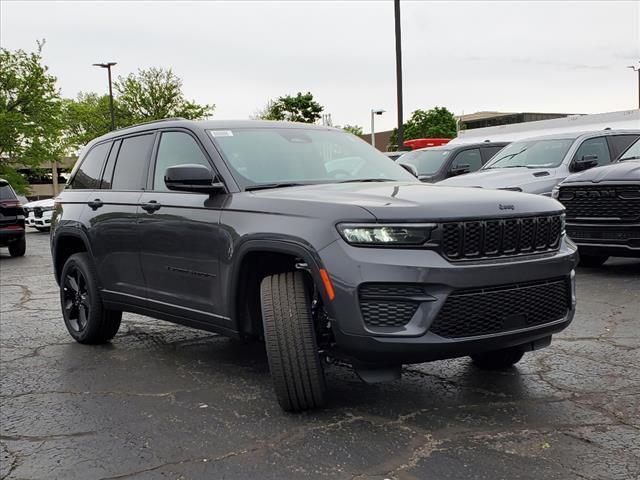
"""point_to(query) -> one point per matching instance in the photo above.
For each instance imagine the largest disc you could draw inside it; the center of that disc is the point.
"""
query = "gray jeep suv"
(308, 239)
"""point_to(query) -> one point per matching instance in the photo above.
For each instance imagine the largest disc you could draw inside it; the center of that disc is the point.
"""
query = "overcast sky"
(468, 56)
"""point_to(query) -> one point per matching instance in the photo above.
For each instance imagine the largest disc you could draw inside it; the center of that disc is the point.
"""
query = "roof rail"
(153, 121)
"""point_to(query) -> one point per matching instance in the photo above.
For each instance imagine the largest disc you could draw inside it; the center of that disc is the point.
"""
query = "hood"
(530, 180)
(48, 202)
(629, 170)
(407, 201)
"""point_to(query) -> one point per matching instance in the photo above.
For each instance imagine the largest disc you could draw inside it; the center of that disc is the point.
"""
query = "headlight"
(389, 234)
(555, 193)
(48, 209)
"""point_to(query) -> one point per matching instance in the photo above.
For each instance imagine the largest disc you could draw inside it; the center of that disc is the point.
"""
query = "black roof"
(210, 125)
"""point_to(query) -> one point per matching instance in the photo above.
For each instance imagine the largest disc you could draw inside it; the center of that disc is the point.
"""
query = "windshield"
(427, 162)
(532, 154)
(632, 153)
(278, 156)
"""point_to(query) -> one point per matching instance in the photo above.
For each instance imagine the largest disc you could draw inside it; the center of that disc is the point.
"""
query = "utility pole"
(108, 66)
(637, 70)
(396, 5)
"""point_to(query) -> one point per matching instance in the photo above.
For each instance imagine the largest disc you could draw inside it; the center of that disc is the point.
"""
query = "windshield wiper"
(635, 157)
(265, 186)
(508, 166)
(357, 180)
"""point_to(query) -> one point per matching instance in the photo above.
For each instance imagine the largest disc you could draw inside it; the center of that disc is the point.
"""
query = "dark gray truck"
(310, 240)
(603, 209)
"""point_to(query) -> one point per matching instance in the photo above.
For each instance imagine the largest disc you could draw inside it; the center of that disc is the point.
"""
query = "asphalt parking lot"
(163, 401)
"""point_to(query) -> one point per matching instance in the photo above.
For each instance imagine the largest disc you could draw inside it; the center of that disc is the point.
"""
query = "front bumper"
(613, 239)
(350, 267)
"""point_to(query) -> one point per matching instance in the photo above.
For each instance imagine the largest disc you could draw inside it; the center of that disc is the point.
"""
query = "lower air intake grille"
(389, 305)
(468, 313)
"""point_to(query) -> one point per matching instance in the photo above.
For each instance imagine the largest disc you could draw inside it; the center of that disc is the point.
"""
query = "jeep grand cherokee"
(307, 238)
(603, 209)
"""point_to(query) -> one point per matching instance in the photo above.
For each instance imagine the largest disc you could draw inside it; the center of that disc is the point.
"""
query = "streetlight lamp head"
(105, 65)
(377, 111)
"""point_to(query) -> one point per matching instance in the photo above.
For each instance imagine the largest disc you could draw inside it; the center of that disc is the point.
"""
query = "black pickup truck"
(603, 209)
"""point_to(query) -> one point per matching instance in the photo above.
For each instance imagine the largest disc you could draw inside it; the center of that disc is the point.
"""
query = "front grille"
(468, 313)
(389, 305)
(609, 234)
(619, 202)
(503, 237)
(37, 212)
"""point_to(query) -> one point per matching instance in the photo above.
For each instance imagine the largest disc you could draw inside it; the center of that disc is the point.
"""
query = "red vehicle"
(426, 142)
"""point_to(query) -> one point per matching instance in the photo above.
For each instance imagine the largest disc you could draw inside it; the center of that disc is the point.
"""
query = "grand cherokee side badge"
(506, 207)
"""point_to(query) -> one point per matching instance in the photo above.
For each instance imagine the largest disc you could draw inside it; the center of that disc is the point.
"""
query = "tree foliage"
(154, 94)
(298, 108)
(437, 122)
(355, 129)
(30, 114)
(89, 116)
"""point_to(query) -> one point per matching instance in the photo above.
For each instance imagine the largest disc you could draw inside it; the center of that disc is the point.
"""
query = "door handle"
(95, 204)
(151, 206)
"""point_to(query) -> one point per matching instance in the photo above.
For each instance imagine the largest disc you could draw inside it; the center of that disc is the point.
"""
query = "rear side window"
(468, 157)
(595, 147)
(6, 192)
(176, 148)
(489, 152)
(130, 172)
(619, 143)
(107, 176)
(88, 175)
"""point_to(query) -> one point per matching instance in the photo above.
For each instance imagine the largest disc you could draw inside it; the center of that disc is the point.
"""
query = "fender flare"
(61, 233)
(287, 246)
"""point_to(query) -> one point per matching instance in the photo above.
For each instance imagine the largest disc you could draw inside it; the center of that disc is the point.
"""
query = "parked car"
(38, 214)
(241, 228)
(11, 221)
(603, 209)
(434, 164)
(394, 155)
(538, 164)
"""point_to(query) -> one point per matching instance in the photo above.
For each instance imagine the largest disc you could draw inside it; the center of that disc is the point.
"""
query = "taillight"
(10, 203)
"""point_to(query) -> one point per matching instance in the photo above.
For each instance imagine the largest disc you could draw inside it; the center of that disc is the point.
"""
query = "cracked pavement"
(164, 401)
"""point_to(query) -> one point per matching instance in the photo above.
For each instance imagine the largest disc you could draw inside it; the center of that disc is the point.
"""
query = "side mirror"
(191, 178)
(409, 168)
(585, 163)
(460, 169)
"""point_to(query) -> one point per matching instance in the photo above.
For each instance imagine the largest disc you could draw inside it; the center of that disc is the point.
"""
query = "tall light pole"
(108, 66)
(374, 112)
(396, 7)
(637, 70)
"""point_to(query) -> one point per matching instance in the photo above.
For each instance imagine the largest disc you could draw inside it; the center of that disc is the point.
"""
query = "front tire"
(43, 229)
(19, 248)
(593, 260)
(291, 345)
(498, 359)
(85, 317)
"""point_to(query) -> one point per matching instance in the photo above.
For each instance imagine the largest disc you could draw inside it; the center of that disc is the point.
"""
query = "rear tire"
(19, 248)
(593, 260)
(291, 345)
(498, 359)
(84, 315)
(43, 229)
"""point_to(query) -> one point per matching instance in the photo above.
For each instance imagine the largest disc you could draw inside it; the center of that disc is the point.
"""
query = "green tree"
(437, 122)
(30, 115)
(154, 94)
(355, 129)
(89, 116)
(298, 108)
